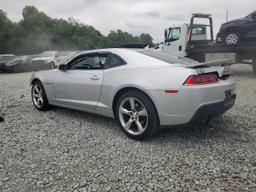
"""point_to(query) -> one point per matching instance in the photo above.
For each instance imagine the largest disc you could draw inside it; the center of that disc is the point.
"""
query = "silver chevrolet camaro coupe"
(144, 90)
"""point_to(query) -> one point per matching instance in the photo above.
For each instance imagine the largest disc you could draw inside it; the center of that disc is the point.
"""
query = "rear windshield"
(167, 57)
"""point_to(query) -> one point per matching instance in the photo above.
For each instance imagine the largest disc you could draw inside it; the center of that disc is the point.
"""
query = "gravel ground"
(66, 150)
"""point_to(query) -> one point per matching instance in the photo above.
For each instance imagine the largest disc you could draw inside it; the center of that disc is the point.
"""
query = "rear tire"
(52, 65)
(136, 115)
(232, 38)
(38, 95)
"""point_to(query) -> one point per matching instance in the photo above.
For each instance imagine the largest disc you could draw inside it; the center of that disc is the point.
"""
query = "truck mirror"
(165, 35)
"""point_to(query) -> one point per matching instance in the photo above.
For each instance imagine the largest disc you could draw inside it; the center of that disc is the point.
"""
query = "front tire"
(232, 38)
(136, 115)
(38, 95)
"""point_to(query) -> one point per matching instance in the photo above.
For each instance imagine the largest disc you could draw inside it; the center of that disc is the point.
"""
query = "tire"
(38, 96)
(52, 65)
(138, 122)
(232, 38)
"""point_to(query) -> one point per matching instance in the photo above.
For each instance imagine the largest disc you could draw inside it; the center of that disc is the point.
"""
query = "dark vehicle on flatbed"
(238, 30)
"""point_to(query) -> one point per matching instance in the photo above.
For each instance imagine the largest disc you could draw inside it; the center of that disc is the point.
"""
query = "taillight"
(201, 79)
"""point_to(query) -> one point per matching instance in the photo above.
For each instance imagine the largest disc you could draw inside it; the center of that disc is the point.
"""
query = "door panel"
(78, 88)
(177, 40)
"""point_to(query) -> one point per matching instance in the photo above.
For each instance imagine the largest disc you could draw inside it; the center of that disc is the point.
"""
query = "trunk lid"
(222, 67)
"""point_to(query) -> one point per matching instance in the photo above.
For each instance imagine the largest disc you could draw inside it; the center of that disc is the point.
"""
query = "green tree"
(146, 39)
(37, 32)
(6, 32)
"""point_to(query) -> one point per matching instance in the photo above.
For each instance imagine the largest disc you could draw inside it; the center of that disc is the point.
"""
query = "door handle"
(95, 77)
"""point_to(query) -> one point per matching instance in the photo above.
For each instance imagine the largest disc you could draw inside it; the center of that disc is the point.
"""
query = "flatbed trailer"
(245, 51)
(192, 41)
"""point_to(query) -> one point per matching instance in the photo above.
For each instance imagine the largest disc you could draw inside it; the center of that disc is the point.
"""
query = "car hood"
(235, 21)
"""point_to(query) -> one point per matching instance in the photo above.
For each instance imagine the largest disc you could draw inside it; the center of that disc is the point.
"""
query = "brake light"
(202, 79)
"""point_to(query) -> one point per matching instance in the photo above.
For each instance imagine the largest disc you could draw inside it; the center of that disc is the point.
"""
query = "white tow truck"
(196, 41)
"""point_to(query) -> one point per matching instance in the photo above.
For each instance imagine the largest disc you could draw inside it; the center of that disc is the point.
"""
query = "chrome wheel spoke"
(128, 124)
(36, 95)
(142, 112)
(125, 111)
(131, 100)
(139, 126)
(37, 89)
(40, 100)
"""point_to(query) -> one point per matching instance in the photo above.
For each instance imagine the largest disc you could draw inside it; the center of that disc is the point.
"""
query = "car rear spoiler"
(211, 63)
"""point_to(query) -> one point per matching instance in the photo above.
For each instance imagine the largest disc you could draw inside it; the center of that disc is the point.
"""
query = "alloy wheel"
(133, 116)
(37, 95)
(232, 39)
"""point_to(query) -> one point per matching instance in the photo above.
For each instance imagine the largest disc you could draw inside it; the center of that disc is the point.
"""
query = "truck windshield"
(167, 57)
(174, 34)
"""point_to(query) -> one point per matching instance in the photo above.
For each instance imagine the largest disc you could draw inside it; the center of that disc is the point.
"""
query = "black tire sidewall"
(153, 125)
(45, 105)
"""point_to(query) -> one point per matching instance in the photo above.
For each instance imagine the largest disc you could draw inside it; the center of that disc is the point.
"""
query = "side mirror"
(62, 67)
(166, 35)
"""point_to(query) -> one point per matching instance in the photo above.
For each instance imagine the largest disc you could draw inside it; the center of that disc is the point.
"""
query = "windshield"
(167, 57)
(248, 16)
(174, 34)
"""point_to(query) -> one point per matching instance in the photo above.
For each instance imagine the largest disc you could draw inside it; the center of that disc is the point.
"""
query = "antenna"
(226, 15)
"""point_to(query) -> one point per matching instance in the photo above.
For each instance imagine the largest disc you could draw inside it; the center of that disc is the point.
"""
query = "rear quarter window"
(114, 61)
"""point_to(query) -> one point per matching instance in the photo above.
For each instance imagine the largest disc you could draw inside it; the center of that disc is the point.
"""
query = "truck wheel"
(232, 38)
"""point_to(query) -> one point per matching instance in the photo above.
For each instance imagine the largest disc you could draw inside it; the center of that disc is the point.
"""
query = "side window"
(199, 33)
(114, 61)
(88, 62)
(174, 34)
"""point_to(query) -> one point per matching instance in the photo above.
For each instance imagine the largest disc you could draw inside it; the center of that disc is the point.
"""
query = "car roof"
(132, 57)
(7, 55)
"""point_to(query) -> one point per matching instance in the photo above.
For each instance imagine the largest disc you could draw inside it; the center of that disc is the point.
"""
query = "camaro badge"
(200, 70)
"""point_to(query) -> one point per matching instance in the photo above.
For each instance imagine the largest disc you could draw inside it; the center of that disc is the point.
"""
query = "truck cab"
(179, 37)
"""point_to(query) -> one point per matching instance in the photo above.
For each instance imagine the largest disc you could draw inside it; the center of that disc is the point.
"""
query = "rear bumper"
(208, 110)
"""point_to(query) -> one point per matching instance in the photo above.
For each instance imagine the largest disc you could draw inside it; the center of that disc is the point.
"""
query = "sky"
(133, 16)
